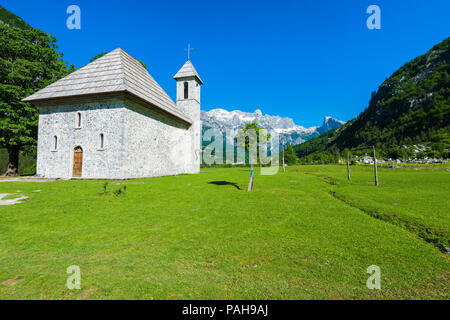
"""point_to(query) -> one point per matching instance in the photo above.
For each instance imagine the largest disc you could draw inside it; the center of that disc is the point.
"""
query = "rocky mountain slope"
(234, 120)
(410, 107)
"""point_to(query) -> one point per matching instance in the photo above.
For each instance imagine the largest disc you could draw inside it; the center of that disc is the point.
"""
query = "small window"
(55, 146)
(186, 90)
(102, 141)
(79, 120)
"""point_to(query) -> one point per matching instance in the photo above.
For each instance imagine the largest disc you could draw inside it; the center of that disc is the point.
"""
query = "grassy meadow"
(304, 234)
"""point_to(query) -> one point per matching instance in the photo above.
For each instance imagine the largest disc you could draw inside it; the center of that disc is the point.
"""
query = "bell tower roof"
(186, 71)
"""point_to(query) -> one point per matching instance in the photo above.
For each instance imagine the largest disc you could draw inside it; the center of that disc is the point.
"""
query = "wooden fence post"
(348, 166)
(375, 166)
(282, 152)
(250, 183)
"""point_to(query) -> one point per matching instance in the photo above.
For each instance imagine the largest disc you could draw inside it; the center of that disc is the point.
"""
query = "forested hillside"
(11, 19)
(411, 107)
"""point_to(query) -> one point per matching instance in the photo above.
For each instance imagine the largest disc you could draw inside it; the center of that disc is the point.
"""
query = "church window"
(102, 141)
(186, 90)
(79, 119)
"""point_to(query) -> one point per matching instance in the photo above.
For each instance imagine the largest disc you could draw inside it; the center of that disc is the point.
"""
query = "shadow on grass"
(225, 183)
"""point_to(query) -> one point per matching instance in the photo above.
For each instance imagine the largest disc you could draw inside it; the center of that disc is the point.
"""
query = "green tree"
(101, 54)
(249, 138)
(28, 62)
(251, 142)
(289, 155)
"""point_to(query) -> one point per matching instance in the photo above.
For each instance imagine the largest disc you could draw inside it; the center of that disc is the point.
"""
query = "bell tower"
(188, 100)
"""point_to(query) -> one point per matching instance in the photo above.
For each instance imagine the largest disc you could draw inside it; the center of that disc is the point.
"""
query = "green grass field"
(304, 234)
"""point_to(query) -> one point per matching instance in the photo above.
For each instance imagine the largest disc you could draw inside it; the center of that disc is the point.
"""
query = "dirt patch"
(246, 267)
(11, 282)
(86, 293)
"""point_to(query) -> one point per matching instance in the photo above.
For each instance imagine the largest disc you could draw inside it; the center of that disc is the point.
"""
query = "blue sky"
(300, 59)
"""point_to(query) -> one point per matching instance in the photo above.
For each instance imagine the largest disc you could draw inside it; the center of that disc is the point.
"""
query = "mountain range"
(410, 107)
(293, 134)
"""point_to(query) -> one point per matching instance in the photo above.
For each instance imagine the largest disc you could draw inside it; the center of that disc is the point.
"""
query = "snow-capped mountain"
(234, 120)
(330, 123)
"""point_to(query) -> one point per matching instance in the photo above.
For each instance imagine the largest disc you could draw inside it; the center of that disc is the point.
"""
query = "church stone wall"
(138, 142)
(155, 144)
(191, 108)
(96, 118)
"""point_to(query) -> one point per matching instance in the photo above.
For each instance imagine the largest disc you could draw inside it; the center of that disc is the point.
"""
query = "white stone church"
(111, 120)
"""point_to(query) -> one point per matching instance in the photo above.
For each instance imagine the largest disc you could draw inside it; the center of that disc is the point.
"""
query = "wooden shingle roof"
(115, 72)
(187, 71)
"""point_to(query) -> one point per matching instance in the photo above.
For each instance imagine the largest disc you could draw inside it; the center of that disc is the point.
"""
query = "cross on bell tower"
(188, 49)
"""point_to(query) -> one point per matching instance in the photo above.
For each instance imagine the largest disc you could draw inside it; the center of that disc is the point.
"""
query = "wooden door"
(77, 161)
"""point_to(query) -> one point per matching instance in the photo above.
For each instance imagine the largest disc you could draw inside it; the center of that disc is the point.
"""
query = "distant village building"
(366, 160)
(111, 120)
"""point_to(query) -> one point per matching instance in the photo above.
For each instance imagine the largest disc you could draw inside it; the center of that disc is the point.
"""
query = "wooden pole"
(375, 166)
(250, 183)
(348, 166)
(282, 152)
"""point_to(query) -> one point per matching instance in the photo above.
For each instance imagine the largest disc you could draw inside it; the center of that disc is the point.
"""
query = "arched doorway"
(77, 161)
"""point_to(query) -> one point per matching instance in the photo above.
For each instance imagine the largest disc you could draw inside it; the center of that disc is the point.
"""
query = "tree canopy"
(101, 54)
(289, 155)
(28, 62)
(248, 138)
